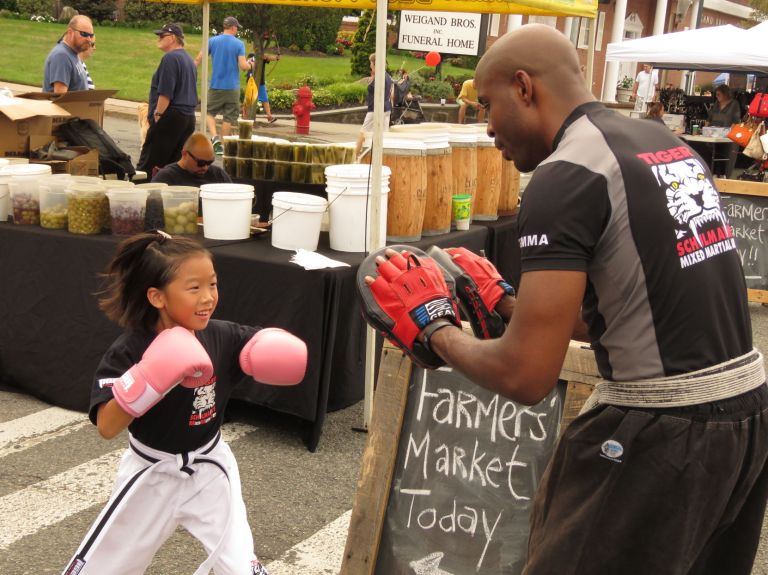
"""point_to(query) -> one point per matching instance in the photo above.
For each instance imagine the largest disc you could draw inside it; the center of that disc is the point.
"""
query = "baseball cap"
(174, 29)
(230, 21)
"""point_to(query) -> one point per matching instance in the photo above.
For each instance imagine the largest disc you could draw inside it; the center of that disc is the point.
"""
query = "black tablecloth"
(52, 334)
(502, 247)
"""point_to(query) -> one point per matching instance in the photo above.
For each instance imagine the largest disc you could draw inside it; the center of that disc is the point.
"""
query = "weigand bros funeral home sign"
(445, 32)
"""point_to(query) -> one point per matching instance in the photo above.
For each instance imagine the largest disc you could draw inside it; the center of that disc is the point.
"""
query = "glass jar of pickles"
(53, 206)
(24, 190)
(244, 128)
(180, 208)
(85, 208)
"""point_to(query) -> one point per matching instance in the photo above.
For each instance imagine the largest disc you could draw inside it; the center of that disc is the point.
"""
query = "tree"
(258, 18)
(363, 43)
(96, 10)
(760, 13)
(159, 13)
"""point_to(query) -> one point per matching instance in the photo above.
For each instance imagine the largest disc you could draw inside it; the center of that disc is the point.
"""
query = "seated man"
(468, 97)
(195, 166)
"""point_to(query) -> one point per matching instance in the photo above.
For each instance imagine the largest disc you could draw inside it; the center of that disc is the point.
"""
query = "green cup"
(460, 206)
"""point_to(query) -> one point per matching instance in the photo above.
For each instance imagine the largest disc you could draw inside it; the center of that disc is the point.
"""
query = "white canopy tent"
(716, 49)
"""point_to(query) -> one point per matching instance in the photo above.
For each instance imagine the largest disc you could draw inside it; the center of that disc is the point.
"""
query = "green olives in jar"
(85, 214)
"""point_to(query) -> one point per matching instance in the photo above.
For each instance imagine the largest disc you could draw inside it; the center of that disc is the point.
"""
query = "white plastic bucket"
(227, 211)
(350, 218)
(296, 220)
(350, 209)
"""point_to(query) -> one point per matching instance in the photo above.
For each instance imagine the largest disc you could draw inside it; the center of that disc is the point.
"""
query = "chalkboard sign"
(746, 207)
(748, 216)
(449, 491)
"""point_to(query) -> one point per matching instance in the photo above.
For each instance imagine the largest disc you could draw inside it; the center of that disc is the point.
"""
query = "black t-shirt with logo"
(631, 205)
(185, 419)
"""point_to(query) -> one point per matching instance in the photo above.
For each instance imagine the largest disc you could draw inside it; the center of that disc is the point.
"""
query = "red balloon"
(432, 58)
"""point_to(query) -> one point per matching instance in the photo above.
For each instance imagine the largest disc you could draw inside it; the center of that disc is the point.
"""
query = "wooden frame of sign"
(379, 458)
(746, 188)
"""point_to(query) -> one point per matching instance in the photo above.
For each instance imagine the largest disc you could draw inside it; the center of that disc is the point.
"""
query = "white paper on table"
(315, 261)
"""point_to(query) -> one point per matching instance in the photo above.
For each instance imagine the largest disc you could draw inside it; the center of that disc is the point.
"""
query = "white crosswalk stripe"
(31, 430)
(59, 503)
(48, 502)
(320, 554)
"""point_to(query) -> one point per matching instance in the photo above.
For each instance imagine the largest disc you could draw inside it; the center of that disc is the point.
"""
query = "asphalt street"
(56, 474)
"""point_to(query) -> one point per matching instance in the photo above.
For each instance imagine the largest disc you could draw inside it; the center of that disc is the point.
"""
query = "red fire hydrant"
(301, 109)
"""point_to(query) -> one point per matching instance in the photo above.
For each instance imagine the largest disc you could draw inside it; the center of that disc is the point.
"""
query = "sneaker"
(218, 147)
(271, 120)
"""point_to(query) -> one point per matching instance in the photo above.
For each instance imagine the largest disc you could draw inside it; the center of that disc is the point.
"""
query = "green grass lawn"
(126, 58)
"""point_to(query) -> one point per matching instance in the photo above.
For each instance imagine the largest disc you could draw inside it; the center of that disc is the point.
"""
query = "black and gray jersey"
(630, 204)
(186, 418)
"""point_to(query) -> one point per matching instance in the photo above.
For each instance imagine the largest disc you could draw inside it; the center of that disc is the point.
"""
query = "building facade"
(619, 20)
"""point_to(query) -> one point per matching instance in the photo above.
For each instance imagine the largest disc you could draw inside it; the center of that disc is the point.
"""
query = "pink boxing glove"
(173, 356)
(275, 357)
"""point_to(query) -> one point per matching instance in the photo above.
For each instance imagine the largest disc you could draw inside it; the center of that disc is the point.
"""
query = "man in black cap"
(228, 58)
(172, 102)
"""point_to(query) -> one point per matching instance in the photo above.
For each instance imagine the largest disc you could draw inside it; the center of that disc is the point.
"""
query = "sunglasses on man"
(200, 163)
(84, 34)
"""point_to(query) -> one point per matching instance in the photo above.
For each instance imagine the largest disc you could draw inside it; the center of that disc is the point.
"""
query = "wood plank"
(757, 295)
(741, 187)
(575, 396)
(580, 371)
(378, 463)
(580, 361)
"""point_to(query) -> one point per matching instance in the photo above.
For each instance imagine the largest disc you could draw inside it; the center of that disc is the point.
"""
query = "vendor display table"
(710, 143)
(52, 334)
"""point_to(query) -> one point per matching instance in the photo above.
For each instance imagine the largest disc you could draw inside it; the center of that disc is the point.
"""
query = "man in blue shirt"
(172, 102)
(63, 71)
(227, 58)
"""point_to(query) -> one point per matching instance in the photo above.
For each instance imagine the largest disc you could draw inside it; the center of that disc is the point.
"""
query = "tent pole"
(589, 72)
(204, 69)
(374, 234)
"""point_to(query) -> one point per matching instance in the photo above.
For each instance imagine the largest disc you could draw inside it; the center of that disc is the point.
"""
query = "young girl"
(168, 379)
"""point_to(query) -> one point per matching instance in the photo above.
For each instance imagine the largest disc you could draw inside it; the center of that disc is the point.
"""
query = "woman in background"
(724, 113)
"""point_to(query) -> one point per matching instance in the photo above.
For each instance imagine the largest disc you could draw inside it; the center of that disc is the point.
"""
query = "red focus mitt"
(410, 293)
(479, 287)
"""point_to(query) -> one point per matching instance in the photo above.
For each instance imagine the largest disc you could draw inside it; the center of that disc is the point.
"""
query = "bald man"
(621, 225)
(63, 71)
(195, 167)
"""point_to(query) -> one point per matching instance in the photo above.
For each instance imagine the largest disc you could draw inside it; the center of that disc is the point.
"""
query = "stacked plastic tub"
(349, 197)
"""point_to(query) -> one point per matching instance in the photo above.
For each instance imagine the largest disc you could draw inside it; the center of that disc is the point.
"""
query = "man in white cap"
(227, 58)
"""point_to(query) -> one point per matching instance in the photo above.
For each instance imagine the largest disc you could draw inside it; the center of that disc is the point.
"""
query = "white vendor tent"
(716, 49)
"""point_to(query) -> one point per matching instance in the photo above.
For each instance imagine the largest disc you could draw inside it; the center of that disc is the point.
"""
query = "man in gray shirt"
(63, 70)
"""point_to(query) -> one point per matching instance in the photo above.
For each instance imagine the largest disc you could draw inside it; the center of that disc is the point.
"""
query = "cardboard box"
(86, 164)
(85, 104)
(21, 118)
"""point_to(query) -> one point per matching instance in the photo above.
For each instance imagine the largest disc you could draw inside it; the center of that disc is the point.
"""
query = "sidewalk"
(320, 132)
